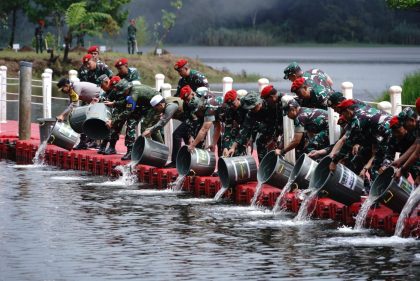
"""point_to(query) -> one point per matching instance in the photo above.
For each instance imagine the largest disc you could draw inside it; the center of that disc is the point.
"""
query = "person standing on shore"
(131, 33)
(39, 41)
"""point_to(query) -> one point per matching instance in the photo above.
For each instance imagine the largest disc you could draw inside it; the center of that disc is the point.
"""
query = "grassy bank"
(147, 64)
(410, 89)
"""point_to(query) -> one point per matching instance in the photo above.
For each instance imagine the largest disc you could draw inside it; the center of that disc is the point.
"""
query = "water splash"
(256, 194)
(304, 213)
(220, 193)
(411, 203)
(364, 209)
(370, 241)
(128, 176)
(279, 206)
(39, 158)
(177, 184)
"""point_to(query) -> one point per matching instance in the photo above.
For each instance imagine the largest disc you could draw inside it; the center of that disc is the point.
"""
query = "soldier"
(270, 126)
(233, 118)
(293, 71)
(39, 41)
(84, 91)
(337, 97)
(93, 70)
(137, 106)
(94, 51)
(310, 94)
(367, 128)
(131, 34)
(400, 141)
(189, 77)
(124, 72)
(312, 121)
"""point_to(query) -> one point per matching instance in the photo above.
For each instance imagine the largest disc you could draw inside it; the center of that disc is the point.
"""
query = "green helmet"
(291, 69)
(121, 86)
(250, 100)
(335, 99)
(291, 103)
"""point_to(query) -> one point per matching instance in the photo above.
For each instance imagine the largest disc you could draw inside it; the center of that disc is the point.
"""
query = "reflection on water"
(63, 229)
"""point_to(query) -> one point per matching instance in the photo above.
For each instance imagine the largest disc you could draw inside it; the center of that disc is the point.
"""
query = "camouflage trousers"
(317, 141)
(227, 142)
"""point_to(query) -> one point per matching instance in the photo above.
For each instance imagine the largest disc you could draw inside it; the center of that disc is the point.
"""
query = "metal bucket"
(95, 125)
(149, 152)
(390, 192)
(62, 135)
(235, 170)
(78, 117)
(45, 127)
(302, 171)
(200, 162)
(342, 185)
(274, 170)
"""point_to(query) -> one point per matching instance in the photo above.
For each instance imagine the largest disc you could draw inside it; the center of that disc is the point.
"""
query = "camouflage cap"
(251, 100)
(103, 78)
(121, 86)
(406, 113)
(291, 103)
(291, 69)
(335, 98)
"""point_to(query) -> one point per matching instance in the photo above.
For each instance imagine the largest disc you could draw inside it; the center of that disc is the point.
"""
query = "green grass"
(410, 90)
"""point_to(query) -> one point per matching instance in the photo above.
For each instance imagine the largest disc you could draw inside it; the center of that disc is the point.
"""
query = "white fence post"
(3, 94)
(227, 84)
(347, 89)
(46, 92)
(385, 106)
(288, 132)
(395, 95)
(169, 127)
(73, 76)
(333, 128)
(262, 82)
(159, 80)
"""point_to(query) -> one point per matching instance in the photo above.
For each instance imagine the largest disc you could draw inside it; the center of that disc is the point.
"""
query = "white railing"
(393, 107)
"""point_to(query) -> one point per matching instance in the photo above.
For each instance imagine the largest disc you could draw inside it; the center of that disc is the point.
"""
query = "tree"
(12, 8)
(404, 4)
(78, 19)
(142, 35)
(167, 22)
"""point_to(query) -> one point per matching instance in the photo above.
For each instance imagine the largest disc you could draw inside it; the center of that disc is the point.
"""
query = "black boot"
(111, 149)
(127, 156)
(102, 147)
(82, 143)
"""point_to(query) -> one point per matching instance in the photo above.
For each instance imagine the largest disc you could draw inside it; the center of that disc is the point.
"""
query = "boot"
(127, 156)
(82, 143)
(111, 148)
(102, 147)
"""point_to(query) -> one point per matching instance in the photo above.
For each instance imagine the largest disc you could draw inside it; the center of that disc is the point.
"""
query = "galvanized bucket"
(149, 152)
(394, 194)
(199, 162)
(236, 170)
(302, 171)
(342, 185)
(274, 170)
(45, 127)
(62, 135)
(95, 125)
(78, 117)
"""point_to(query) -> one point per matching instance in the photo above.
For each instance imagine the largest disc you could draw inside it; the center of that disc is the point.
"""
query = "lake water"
(66, 225)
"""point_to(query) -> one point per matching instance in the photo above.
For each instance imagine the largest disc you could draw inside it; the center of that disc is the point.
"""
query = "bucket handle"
(193, 172)
(53, 138)
(389, 198)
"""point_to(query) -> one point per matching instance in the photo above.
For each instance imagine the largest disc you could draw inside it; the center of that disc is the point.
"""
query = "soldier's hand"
(109, 103)
(278, 151)
(332, 166)
(191, 140)
(225, 152)
(355, 149)
(314, 154)
(362, 173)
(191, 148)
(396, 163)
(108, 123)
(398, 173)
(211, 147)
(231, 152)
(146, 133)
(381, 169)
(60, 118)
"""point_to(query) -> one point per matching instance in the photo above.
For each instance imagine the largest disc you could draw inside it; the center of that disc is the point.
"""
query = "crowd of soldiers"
(369, 140)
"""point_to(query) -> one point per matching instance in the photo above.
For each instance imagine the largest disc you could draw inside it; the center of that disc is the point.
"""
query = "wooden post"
(46, 92)
(25, 93)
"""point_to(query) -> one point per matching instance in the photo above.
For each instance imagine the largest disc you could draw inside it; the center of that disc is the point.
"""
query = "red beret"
(268, 91)
(418, 105)
(93, 49)
(115, 79)
(185, 91)
(180, 63)
(394, 122)
(86, 58)
(120, 62)
(297, 84)
(345, 104)
(230, 96)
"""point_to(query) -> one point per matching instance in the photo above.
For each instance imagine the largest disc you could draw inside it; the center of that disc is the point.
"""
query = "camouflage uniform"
(367, 128)
(318, 76)
(319, 96)
(270, 121)
(131, 42)
(132, 75)
(233, 119)
(195, 80)
(92, 75)
(314, 122)
(394, 146)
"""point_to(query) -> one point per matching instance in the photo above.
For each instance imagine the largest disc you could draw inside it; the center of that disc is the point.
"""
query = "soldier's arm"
(297, 138)
(170, 110)
(216, 133)
(202, 133)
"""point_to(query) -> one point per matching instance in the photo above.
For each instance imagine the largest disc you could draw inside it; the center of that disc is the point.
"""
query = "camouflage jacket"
(195, 80)
(311, 120)
(318, 98)
(233, 120)
(131, 32)
(132, 75)
(395, 146)
(318, 76)
(93, 75)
